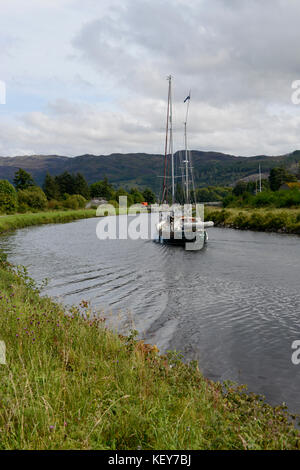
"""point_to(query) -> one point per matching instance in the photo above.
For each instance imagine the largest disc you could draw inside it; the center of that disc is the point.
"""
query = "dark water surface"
(234, 306)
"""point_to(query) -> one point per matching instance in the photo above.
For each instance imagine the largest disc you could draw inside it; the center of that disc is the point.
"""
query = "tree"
(81, 186)
(278, 176)
(149, 196)
(136, 195)
(240, 188)
(66, 183)
(122, 192)
(22, 179)
(8, 197)
(102, 189)
(51, 187)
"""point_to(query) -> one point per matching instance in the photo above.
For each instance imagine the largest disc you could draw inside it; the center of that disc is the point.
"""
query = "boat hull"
(195, 241)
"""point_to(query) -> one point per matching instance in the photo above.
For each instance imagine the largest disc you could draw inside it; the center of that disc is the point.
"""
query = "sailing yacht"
(180, 225)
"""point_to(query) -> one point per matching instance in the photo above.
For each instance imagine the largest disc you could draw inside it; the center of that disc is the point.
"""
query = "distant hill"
(142, 170)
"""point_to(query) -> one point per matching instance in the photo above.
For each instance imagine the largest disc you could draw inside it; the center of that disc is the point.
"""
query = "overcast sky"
(90, 76)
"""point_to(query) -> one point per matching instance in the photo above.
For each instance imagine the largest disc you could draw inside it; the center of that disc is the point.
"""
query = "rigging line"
(192, 174)
(166, 142)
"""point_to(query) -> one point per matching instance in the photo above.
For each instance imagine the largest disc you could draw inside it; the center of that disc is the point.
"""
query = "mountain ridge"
(143, 169)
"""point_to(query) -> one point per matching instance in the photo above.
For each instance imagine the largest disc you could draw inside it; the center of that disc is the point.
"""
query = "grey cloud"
(225, 50)
(239, 57)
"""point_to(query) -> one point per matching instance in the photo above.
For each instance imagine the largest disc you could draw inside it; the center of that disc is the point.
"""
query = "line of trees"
(62, 191)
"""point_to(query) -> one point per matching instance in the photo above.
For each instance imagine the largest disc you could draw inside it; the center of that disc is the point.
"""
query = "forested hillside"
(144, 170)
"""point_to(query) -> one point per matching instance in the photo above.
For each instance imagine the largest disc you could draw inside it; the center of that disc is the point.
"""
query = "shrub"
(288, 198)
(32, 198)
(228, 200)
(54, 205)
(113, 203)
(276, 221)
(76, 201)
(8, 197)
(257, 221)
(218, 217)
(241, 221)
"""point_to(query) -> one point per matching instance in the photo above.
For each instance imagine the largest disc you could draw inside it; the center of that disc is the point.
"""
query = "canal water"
(234, 306)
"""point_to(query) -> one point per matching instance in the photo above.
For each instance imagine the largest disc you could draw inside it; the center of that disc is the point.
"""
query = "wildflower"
(17, 335)
(51, 428)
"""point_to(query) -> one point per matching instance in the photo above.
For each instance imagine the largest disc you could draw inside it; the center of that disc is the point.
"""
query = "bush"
(76, 201)
(276, 221)
(8, 197)
(266, 198)
(32, 198)
(241, 221)
(257, 221)
(113, 203)
(288, 198)
(54, 205)
(218, 217)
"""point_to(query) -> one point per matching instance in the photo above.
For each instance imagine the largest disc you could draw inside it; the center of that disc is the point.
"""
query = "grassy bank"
(12, 222)
(70, 383)
(267, 220)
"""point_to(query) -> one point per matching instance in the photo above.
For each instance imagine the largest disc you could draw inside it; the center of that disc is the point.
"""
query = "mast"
(171, 138)
(164, 195)
(186, 161)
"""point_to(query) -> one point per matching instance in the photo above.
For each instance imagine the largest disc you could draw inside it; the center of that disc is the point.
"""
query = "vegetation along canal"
(234, 306)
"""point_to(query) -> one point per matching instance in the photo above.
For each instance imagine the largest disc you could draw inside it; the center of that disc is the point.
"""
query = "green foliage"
(32, 198)
(149, 196)
(81, 186)
(278, 176)
(8, 197)
(76, 201)
(136, 196)
(240, 188)
(51, 187)
(241, 221)
(23, 180)
(13, 222)
(102, 189)
(71, 383)
(53, 204)
(272, 220)
(66, 183)
(282, 198)
(122, 192)
(114, 203)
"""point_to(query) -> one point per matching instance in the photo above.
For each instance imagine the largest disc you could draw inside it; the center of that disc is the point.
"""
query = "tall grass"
(71, 383)
(270, 220)
(12, 222)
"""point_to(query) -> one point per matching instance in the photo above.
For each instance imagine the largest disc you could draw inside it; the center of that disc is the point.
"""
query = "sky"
(90, 77)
